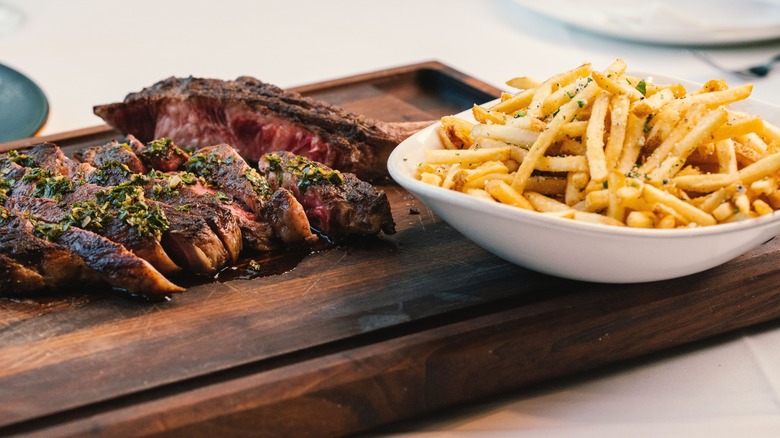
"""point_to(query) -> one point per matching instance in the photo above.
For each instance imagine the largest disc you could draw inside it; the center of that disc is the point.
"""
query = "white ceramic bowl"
(579, 250)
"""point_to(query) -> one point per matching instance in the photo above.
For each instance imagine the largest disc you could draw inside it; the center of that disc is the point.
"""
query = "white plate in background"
(680, 22)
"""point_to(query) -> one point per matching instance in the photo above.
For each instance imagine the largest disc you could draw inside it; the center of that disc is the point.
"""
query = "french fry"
(509, 134)
(727, 157)
(618, 112)
(617, 85)
(468, 156)
(483, 115)
(544, 203)
(550, 186)
(565, 115)
(457, 131)
(737, 125)
(653, 103)
(654, 195)
(523, 83)
(722, 97)
(606, 147)
(595, 139)
(505, 194)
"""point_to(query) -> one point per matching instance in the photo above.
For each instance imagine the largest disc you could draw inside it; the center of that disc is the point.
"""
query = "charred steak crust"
(255, 118)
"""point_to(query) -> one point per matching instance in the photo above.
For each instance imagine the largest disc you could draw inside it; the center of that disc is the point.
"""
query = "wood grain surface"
(349, 338)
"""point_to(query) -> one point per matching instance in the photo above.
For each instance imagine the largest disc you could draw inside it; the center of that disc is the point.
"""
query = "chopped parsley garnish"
(166, 185)
(223, 198)
(642, 87)
(102, 174)
(207, 165)
(21, 159)
(88, 215)
(50, 232)
(37, 174)
(258, 182)
(201, 164)
(53, 187)
(132, 208)
(5, 214)
(307, 172)
(162, 147)
(5, 187)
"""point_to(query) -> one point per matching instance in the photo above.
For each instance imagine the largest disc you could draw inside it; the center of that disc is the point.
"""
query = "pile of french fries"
(602, 146)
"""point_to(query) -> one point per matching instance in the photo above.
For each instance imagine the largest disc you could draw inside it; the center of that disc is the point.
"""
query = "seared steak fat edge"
(128, 213)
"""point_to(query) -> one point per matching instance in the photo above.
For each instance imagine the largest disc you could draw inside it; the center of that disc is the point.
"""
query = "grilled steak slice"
(113, 152)
(110, 261)
(50, 156)
(55, 198)
(336, 204)
(192, 243)
(161, 154)
(17, 279)
(288, 219)
(255, 118)
(178, 190)
(142, 244)
(55, 265)
(223, 168)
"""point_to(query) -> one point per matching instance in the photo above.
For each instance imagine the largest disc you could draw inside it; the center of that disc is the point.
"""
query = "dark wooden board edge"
(347, 389)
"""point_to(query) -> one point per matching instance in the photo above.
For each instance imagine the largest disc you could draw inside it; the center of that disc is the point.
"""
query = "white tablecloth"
(84, 52)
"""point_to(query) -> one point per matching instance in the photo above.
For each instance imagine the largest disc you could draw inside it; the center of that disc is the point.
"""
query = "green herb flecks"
(88, 215)
(5, 215)
(50, 232)
(5, 188)
(642, 87)
(162, 147)
(132, 208)
(207, 165)
(21, 159)
(223, 198)
(37, 174)
(307, 172)
(258, 182)
(202, 164)
(103, 173)
(52, 187)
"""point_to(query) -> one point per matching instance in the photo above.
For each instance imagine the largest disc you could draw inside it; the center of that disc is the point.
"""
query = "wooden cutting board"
(350, 338)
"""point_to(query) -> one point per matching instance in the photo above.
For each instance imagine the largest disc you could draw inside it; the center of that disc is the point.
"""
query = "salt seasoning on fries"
(601, 146)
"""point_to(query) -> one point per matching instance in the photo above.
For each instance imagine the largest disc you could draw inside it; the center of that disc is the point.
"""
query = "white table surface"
(84, 52)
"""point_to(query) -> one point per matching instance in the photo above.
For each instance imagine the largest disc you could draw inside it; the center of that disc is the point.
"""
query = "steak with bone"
(256, 118)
